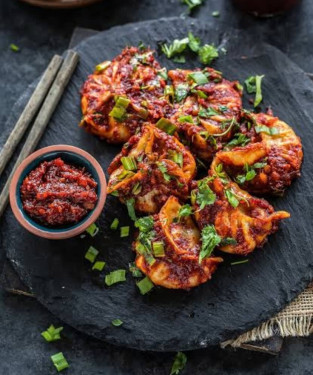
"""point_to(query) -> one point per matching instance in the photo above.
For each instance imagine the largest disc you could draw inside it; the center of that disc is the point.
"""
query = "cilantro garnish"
(210, 239)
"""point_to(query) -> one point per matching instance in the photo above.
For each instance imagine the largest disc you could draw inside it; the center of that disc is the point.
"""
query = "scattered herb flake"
(145, 285)
(52, 333)
(98, 266)
(117, 322)
(207, 54)
(59, 361)
(91, 254)
(114, 277)
(179, 363)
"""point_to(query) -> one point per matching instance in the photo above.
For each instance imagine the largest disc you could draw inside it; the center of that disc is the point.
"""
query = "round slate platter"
(238, 297)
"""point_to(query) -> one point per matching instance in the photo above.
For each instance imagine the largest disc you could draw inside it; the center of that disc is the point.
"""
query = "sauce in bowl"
(57, 194)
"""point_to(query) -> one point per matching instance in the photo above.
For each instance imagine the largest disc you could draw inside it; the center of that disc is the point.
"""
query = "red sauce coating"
(58, 194)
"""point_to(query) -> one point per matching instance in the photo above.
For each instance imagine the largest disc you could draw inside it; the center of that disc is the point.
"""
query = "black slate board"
(238, 298)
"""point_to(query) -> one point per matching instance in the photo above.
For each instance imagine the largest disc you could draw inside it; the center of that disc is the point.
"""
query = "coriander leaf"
(210, 239)
(250, 175)
(231, 197)
(144, 224)
(194, 42)
(221, 173)
(134, 270)
(163, 73)
(177, 47)
(162, 167)
(198, 77)
(205, 195)
(185, 210)
(130, 204)
(208, 112)
(179, 363)
(238, 140)
(259, 165)
(265, 129)
(207, 54)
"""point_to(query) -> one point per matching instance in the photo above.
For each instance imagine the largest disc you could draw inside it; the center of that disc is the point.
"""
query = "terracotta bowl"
(71, 155)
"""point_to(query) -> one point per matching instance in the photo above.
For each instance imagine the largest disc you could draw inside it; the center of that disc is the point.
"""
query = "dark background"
(41, 33)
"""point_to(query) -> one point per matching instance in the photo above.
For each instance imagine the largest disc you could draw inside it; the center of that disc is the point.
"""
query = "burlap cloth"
(294, 320)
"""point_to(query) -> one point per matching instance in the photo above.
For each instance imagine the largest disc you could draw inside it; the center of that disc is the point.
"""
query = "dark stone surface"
(41, 33)
(162, 320)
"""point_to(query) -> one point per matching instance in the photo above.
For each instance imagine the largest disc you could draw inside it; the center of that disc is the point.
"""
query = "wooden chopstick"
(29, 111)
(42, 119)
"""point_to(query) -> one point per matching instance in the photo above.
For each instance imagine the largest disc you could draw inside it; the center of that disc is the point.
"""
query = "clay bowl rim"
(59, 233)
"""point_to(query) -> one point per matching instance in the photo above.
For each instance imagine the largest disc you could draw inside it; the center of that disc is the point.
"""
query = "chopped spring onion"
(91, 254)
(239, 262)
(166, 125)
(129, 163)
(228, 241)
(179, 59)
(52, 333)
(130, 204)
(98, 266)
(198, 77)
(125, 174)
(186, 118)
(176, 157)
(92, 230)
(143, 113)
(208, 112)
(115, 277)
(117, 322)
(137, 188)
(179, 363)
(216, 13)
(158, 249)
(115, 223)
(201, 94)
(181, 91)
(145, 285)
(134, 270)
(119, 110)
(253, 85)
(124, 231)
(169, 91)
(14, 47)
(162, 167)
(192, 4)
(103, 66)
(163, 73)
(59, 361)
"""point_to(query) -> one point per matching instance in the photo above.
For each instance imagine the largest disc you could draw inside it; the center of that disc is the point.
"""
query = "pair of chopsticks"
(44, 99)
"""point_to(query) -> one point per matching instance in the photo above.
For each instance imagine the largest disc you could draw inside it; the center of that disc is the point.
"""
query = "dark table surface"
(41, 33)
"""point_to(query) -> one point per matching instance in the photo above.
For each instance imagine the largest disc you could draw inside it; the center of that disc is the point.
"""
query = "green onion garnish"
(124, 231)
(103, 66)
(119, 110)
(169, 91)
(136, 188)
(52, 333)
(130, 203)
(179, 363)
(14, 47)
(59, 361)
(91, 254)
(117, 322)
(158, 249)
(114, 224)
(186, 118)
(129, 163)
(201, 94)
(98, 266)
(115, 277)
(176, 157)
(92, 230)
(239, 262)
(216, 13)
(198, 77)
(145, 285)
(134, 270)
(265, 129)
(166, 125)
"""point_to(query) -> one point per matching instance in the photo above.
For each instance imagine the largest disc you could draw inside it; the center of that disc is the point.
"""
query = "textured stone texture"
(41, 33)
(237, 298)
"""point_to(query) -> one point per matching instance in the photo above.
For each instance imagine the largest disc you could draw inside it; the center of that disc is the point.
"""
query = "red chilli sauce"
(58, 194)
